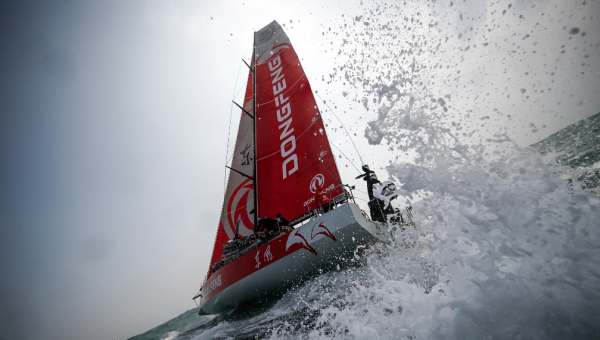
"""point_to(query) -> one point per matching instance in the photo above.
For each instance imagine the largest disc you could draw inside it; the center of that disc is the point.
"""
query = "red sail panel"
(239, 195)
(293, 153)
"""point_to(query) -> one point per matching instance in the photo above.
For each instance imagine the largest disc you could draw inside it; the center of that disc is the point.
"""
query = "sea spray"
(505, 245)
(492, 256)
(506, 241)
(503, 249)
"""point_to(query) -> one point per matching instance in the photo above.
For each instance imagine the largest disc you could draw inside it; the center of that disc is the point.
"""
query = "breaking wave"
(506, 242)
(504, 249)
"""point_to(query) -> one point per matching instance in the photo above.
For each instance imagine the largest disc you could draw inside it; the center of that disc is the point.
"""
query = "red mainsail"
(293, 157)
(293, 152)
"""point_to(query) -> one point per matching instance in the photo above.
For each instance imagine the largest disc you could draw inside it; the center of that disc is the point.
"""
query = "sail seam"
(300, 135)
(285, 92)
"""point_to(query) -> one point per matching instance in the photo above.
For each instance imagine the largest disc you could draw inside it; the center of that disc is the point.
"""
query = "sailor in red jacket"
(323, 199)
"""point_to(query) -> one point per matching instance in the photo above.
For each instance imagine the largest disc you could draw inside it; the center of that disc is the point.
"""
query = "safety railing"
(334, 201)
(345, 196)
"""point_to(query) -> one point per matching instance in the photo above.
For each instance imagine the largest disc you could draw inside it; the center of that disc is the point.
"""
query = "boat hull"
(328, 242)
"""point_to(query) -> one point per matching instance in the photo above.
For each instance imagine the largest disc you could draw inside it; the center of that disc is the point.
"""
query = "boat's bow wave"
(494, 256)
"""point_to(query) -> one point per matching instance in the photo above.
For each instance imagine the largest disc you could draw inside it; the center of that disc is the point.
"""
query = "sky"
(115, 119)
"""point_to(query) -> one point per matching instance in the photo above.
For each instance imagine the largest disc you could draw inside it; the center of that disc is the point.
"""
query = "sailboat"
(282, 163)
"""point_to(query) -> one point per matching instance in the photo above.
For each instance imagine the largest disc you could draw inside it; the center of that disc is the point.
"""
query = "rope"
(242, 137)
(338, 149)
(229, 130)
(348, 133)
(230, 115)
(299, 139)
(275, 152)
(283, 93)
(238, 93)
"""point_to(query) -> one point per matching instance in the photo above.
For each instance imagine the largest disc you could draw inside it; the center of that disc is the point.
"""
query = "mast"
(254, 127)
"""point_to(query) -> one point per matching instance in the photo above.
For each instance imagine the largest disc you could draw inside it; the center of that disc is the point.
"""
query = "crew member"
(265, 224)
(376, 205)
(281, 222)
(323, 199)
(237, 230)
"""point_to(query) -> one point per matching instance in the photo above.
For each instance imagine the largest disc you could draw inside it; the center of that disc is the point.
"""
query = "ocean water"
(506, 243)
(504, 249)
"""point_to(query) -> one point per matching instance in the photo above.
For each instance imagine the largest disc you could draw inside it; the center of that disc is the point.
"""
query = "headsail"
(239, 195)
(293, 152)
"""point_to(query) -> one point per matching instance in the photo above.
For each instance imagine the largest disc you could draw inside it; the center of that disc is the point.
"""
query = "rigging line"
(284, 92)
(225, 172)
(300, 135)
(320, 118)
(303, 132)
(338, 149)
(238, 93)
(229, 130)
(241, 138)
(230, 115)
(348, 133)
(298, 138)
(314, 120)
(361, 191)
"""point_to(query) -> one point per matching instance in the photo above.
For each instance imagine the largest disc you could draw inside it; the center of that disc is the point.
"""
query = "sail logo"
(284, 116)
(321, 230)
(296, 237)
(265, 34)
(316, 182)
(238, 210)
